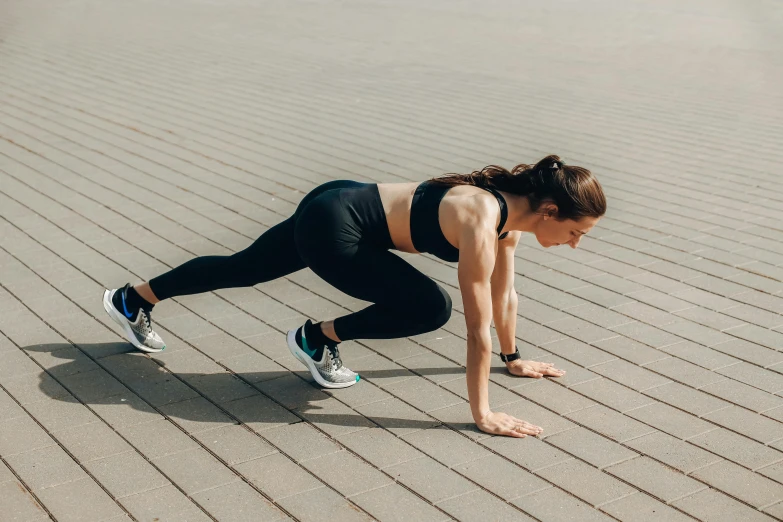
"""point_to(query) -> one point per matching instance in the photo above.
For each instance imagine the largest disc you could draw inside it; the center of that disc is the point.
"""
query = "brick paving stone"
(5, 474)
(750, 424)
(689, 399)
(744, 395)
(45, 468)
(558, 506)
(671, 420)
(631, 350)
(655, 478)
(754, 376)
(685, 372)
(586, 482)
(356, 396)
(334, 418)
(446, 446)
(166, 503)
(27, 391)
(713, 505)
(776, 511)
(383, 449)
(254, 367)
(20, 434)
(611, 394)
(194, 470)
(549, 394)
(198, 414)
(9, 408)
(424, 395)
(730, 478)
(710, 358)
(257, 412)
(775, 471)
(531, 453)
(646, 334)
(168, 437)
(643, 507)
(92, 441)
(292, 392)
(397, 417)
(430, 479)
(750, 352)
(610, 423)
(238, 501)
(79, 500)
(93, 386)
(379, 371)
(737, 448)
(478, 505)
(591, 447)
(299, 441)
(434, 367)
(673, 452)
(16, 503)
(501, 477)
(346, 473)
(631, 375)
(63, 361)
(59, 414)
(312, 504)
(395, 503)
(137, 475)
(265, 474)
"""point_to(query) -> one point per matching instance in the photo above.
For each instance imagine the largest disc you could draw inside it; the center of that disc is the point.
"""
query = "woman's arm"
(504, 295)
(504, 310)
(477, 248)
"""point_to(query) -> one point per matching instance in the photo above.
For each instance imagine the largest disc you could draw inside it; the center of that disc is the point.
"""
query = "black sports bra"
(426, 233)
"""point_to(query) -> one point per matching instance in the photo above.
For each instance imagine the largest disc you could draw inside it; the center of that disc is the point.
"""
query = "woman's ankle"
(146, 293)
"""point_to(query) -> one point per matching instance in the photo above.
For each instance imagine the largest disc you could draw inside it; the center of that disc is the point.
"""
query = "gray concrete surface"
(135, 135)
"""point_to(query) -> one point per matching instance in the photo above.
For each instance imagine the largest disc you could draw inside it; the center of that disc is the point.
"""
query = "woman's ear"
(549, 210)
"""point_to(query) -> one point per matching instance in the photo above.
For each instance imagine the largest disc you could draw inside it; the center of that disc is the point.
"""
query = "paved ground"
(137, 134)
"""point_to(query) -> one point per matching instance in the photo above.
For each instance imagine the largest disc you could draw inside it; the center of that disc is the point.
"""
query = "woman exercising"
(344, 231)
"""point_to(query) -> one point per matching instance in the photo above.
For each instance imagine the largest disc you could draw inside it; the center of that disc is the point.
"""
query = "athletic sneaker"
(329, 372)
(139, 330)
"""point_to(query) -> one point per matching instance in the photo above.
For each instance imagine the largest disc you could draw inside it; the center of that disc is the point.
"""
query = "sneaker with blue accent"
(136, 324)
(329, 372)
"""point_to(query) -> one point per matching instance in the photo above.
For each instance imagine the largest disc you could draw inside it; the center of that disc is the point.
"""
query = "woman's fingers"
(512, 427)
(534, 369)
(526, 427)
(529, 372)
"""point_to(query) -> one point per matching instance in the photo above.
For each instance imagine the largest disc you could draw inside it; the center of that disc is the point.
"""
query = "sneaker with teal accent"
(329, 372)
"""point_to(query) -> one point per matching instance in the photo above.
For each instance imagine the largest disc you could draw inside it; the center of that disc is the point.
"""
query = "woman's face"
(553, 232)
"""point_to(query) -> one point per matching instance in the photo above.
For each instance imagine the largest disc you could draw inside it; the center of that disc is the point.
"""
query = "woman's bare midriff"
(397, 199)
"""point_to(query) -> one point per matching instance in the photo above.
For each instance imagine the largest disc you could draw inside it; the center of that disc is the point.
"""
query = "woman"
(343, 231)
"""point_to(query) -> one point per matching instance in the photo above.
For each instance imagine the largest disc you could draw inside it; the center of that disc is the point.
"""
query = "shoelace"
(338, 363)
(147, 318)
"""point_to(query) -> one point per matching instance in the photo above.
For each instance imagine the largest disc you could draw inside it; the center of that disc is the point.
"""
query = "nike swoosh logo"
(125, 308)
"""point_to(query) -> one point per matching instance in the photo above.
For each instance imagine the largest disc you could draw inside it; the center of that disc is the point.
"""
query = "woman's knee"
(434, 311)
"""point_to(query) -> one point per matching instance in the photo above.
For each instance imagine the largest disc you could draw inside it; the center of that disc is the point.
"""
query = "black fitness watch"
(512, 357)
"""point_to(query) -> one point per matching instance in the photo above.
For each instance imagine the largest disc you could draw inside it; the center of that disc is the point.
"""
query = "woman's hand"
(503, 424)
(533, 369)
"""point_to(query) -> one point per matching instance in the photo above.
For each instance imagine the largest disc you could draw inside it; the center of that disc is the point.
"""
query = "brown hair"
(574, 190)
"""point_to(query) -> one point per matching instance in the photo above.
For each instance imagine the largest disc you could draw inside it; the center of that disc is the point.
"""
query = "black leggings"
(339, 230)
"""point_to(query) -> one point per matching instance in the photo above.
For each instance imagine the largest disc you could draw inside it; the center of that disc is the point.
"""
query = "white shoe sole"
(302, 357)
(120, 320)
